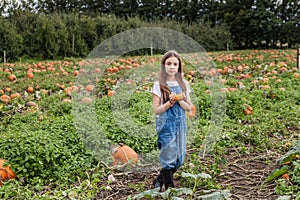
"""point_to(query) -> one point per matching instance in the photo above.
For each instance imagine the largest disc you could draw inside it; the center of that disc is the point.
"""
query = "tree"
(59, 6)
(262, 23)
(127, 8)
(76, 45)
(149, 9)
(289, 13)
(236, 17)
(3, 5)
(10, 40)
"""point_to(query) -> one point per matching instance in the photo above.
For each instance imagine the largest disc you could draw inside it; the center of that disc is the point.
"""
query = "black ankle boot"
(174, 171)
(158, 181)
(167, 178)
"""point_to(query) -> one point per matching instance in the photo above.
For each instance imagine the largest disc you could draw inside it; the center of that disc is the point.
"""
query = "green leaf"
(218, 195)
(72, 195)
(284, 197)
(148, 193)
(175, 192)
(195, 176)
(166, 193)
(289, 156)
(277, 172)
(176, 198)
(180, 191)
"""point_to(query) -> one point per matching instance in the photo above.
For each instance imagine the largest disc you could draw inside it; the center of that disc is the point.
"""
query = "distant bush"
(56, 36)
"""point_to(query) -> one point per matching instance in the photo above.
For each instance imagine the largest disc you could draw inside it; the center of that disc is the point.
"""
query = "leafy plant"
(196, 178)
(290, 183)
(170, 194)
(176, 193)
(45, 153)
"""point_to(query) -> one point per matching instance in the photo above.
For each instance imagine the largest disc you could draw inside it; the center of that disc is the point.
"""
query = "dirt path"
(244, 175)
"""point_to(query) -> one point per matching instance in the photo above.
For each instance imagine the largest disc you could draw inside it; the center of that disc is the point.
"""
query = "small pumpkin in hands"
(123, 154)
(179, 97)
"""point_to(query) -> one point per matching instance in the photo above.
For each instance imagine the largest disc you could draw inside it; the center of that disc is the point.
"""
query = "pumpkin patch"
(47, 124)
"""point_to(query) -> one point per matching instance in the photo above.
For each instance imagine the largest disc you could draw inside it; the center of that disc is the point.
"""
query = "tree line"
(50, 29)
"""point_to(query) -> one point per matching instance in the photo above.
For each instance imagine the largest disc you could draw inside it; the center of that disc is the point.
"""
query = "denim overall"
(171, 129)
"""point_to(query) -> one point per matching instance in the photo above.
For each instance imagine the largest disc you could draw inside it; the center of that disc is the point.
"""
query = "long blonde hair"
(164, 88)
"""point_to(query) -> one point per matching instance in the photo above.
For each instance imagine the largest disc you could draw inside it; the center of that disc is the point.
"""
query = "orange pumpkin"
(121, 67)
(128, 66)
(5, 172)
(12, 77)
(97, 70)
(110, 93)
(29, 75)
(69, 90)
(15, 96)
(285, 176)
(75, 88)
(60, 86)
(8, 89)
(248, 110)
(179, 97)
(123, 154)
(86, 100)
(82, 70)
(115, 69)
(76, 73)
(30, 89)
(89, 88)
(5, 98)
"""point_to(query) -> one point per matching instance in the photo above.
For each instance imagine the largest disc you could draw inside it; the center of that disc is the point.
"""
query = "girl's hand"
(180, 96)
(172, 98)
(184, 101)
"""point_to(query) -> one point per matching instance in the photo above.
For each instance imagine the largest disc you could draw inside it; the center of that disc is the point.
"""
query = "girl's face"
(171, 66)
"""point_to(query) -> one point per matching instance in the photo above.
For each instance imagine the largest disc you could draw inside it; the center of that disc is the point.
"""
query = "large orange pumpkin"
(123, 154)
(5, 172)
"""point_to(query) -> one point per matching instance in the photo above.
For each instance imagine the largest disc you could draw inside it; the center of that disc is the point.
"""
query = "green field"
(53, 134)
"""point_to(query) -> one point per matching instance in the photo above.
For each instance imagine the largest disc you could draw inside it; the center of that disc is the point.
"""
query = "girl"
(170, 101)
